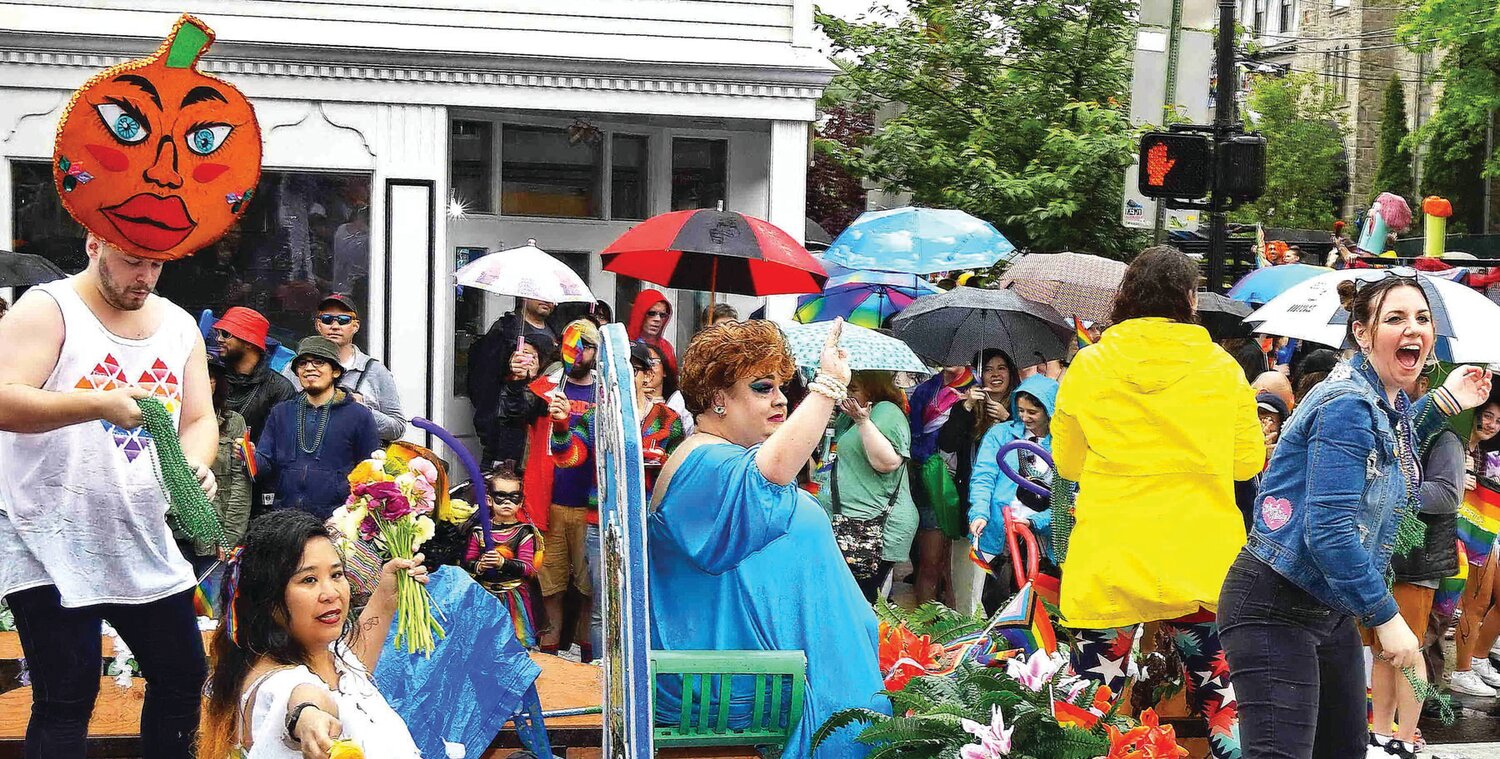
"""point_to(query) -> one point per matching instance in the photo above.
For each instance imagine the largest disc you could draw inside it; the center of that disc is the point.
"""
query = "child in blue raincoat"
(992, 492)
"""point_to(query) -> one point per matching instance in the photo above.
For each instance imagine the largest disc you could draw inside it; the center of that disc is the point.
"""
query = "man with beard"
(254, 389)
(82, 536)
(489, 358)
(560, 500)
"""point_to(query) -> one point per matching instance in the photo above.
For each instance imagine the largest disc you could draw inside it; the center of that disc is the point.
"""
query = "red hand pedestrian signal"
(1175, 165)
(1158, 163)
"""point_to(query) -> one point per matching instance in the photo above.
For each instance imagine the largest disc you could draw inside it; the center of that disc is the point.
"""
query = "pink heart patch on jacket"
(1275, 512)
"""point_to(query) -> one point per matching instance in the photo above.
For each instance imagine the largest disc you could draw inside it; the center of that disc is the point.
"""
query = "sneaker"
(1486, 672)
(1470, 684)
(1398, 749)
(1376, 749)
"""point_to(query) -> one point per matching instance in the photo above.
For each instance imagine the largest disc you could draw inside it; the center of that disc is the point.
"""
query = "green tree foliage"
(1011, 110)
(1306, 175)
(1394, 170)
(1457, 161)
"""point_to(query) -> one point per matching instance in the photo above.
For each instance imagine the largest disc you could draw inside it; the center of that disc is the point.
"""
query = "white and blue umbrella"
(868, 350)
(919, 241)
(1463, 319)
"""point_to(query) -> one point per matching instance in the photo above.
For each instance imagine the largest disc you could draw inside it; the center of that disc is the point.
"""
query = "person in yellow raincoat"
(1155, 422)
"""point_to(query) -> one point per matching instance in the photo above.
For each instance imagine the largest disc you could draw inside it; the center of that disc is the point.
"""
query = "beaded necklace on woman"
(326, 409)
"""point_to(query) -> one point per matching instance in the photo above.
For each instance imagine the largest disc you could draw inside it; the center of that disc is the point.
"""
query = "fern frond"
(845, 718)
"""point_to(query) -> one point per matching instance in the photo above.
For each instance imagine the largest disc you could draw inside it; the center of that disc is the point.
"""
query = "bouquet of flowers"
(391, 497)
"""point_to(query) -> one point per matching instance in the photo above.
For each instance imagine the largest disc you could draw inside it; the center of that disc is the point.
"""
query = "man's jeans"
(1297, 666)
(63, 654)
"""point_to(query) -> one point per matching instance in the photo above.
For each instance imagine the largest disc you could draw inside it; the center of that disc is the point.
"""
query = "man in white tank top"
(83, 534)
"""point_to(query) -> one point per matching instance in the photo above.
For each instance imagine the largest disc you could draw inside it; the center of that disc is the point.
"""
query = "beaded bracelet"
(822, 389)
(1445, 402)
(829, 388)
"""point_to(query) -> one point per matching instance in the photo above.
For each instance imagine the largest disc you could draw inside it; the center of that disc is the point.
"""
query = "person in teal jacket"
(991, 492)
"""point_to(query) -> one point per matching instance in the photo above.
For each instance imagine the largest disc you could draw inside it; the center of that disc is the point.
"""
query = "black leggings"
(870, 586)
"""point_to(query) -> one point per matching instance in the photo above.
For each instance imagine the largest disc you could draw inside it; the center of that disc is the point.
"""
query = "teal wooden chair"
(705, 676)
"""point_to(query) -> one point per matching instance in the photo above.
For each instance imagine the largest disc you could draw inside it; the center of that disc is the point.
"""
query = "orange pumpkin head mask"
(156, 157)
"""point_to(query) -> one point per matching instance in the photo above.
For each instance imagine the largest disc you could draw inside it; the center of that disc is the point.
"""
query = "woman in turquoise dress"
(741, 559)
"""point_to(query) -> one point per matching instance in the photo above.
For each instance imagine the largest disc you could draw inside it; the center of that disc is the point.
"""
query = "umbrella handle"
(476, 475)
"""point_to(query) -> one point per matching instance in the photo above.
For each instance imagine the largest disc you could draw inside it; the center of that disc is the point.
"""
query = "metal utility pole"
(1224, 127)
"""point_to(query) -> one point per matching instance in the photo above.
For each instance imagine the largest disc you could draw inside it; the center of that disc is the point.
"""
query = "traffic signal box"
(1185, 166)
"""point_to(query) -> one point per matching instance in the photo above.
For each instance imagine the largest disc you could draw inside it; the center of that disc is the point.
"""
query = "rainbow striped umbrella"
(865, 298)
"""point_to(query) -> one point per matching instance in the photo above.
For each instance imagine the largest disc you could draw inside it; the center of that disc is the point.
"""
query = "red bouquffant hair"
(728, 352)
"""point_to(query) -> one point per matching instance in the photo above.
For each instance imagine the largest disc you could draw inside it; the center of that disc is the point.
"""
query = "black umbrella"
(951, 328)
(815, 237)
(1223, 317)
(26, 269)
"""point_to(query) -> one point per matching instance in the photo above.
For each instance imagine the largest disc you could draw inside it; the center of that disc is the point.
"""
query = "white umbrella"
(1465, 320)
(526, 272)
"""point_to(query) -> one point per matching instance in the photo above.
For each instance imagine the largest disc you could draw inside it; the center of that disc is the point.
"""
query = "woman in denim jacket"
(1342, 476)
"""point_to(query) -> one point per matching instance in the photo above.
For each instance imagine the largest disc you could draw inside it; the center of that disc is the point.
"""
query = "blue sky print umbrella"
(919, 241)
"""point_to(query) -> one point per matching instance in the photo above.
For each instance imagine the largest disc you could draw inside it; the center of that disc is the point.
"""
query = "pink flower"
(394, 507)
(994, 738)
(368, 529)
(423, 469)
(1034, 672)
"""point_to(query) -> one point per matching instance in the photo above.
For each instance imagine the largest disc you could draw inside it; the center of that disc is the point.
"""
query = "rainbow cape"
(1478, 523)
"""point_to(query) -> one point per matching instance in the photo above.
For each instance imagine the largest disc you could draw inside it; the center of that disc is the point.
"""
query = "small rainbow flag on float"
(1478, 523)
(1082, 333)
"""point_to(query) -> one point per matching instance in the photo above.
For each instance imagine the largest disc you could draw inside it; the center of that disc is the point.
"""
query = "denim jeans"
(591, 552)
(63, 654)
(1297, 666)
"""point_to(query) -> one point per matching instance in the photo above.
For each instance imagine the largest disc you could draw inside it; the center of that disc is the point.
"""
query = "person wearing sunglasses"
(254, 387)
(649, 319)
(368, 381)
(507, 569)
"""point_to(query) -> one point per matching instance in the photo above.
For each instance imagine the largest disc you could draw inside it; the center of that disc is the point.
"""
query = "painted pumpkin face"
(156, 157)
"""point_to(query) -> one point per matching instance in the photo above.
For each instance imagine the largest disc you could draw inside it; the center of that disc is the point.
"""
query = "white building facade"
(405, 137)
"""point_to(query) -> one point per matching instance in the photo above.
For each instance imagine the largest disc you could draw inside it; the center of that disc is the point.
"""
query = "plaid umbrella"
(950, 329)
(1075, 284)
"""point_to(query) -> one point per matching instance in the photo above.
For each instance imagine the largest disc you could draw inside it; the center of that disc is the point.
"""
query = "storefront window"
(468, 319)
(304, 235)
(547, 172)
(472, 144)
(699, 173)
(627, 178)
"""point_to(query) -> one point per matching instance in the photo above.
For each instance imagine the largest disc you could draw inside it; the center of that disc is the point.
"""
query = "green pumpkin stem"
(189, 41)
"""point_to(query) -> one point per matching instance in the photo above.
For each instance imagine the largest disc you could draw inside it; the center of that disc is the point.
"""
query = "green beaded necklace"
(327, 410)
(188, 508)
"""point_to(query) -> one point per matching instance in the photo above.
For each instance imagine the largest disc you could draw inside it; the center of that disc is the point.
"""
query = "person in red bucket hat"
(254, 388)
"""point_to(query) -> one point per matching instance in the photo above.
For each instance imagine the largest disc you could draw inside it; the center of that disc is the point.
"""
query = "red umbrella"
(715, 251)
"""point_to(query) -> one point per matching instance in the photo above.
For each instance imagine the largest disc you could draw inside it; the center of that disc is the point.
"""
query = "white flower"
(994, 738)
(425, 530)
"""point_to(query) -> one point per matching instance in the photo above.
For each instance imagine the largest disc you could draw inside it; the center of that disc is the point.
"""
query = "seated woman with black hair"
(291, 669)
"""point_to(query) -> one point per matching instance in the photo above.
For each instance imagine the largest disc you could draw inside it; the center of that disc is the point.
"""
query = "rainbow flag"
(571, 346)
(1081, 333)
(247, 449)
(1478, 523)
(1445, 600)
